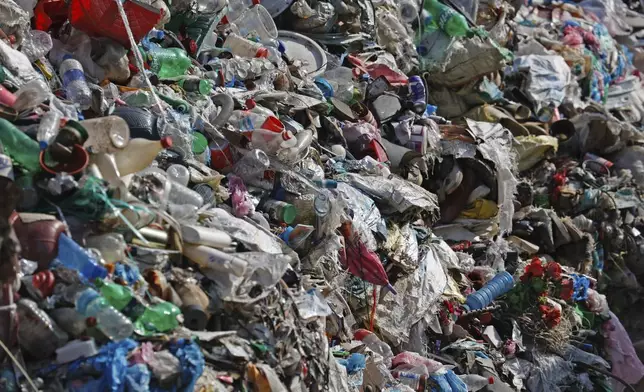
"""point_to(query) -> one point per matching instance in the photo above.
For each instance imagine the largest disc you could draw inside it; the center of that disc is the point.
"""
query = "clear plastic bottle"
(110, 321)
(246, 120)
(31, 94)
(408, 10)
(111, 245)
(179, 174)
(36, 45)
(139, 154)
(48, 128)
(242, 47)
(475, 382)
(76, 88)
(271, 142)
(181, 194)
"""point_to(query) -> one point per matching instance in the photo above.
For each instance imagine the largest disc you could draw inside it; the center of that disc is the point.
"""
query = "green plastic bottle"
(161, 317)
(22, 149)
(169, 62)
(447, 19)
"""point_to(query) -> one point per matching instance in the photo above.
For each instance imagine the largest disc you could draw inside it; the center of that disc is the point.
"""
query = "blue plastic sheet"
(110, 363)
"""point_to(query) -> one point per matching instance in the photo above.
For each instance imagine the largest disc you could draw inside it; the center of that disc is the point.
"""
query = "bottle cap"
(261, 53)
(361, 333)
(43, 144)
(287, 135)
(250, 103)
(490, 380)
(166, 142)
(67, 56)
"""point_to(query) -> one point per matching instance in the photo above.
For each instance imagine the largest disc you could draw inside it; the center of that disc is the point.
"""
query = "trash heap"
(294, 195)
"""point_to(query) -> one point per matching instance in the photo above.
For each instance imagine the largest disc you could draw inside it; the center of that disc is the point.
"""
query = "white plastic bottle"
(139, 154)
(475, 382)
(76, 88)
(48, 128)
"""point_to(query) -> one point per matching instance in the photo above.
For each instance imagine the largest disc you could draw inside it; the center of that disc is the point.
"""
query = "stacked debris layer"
(307, 195)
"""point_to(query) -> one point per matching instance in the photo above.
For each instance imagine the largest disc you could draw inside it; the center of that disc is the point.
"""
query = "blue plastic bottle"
(499, 285)
(73, 256)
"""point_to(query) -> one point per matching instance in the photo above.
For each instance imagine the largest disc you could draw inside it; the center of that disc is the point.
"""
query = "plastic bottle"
(179, 174)
(139, 154)
(182, 195)
(211, 258)
(200, 235)
(304, 139)
(408, 10)
(48, 128)
(76, 88)
(192, 85)
(280, 211)
(169, 62)
(22, 149)
(271, 142)
(475, 382)
(161, 317)
(38, 334)
(236, 8)
(499, 285)
(246, 120)
(73, 256)
(242, 47)
(253, 107)
(36, 45)
(111, 245)
(31, 94)
(110, 321)
(447, 19)
(373, 343)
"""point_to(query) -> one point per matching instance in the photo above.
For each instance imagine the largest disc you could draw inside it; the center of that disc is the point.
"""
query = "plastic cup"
(257, 23)
(273, 123)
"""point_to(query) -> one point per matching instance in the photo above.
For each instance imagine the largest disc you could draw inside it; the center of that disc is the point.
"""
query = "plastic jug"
(106, 134)
(139, 154)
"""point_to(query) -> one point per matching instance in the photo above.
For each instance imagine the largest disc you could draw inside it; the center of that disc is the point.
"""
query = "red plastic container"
(102, 18)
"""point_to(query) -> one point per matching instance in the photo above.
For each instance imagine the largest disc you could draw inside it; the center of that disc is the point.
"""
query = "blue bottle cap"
(43, 144)
(286, 234)
(67, 56)
(85, 298)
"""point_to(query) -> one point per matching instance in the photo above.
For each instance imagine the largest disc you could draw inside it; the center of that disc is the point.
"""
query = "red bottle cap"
(91, 322)
(257, 2)
(166, 142)
(250, 103)
(490, 380)
(44, 281)
(262, 53)
(361, 333)
(224, 20)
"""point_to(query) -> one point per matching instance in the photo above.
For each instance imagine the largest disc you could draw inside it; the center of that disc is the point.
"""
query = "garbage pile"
(347, 195)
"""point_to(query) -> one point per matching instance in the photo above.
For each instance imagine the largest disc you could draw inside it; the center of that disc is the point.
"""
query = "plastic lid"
(289, 213)
(67, 56)
(361, 333)
(85, 298)
(43, 145)
(199, 143)
(490, 380)
(250, 103)
(166, 142)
